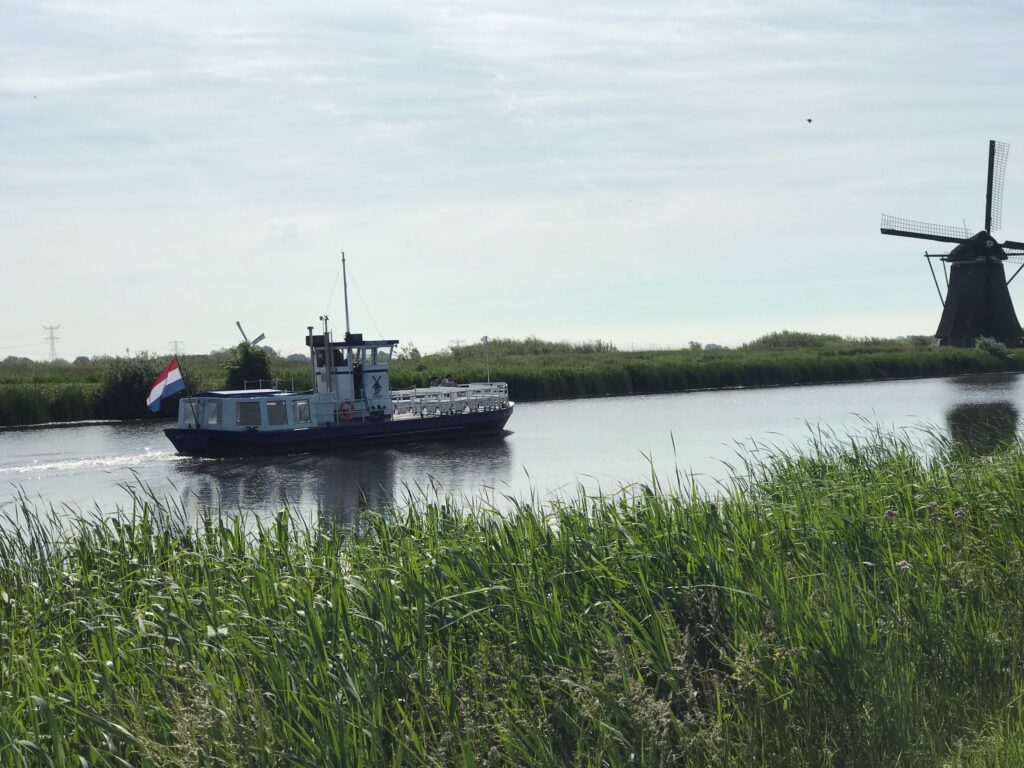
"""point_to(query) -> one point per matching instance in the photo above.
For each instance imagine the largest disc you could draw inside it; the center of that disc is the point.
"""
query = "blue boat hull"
(353, 435)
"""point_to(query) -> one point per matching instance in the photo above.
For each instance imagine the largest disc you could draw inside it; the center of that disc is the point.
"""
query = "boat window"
(383, 355)
(213, 412)
(248, 414)
(187, 413)
(301, 413)
(277, 413)
(339, 357)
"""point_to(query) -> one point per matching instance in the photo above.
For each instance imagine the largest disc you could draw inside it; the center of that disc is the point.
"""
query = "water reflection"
(340, 486)
(981, 428)
(984, 416)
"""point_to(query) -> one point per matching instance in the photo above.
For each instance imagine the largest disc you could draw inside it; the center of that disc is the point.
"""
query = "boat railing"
(463, 398)
(267, 384)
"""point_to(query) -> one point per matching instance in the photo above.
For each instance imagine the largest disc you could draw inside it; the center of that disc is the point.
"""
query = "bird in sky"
(809, 119)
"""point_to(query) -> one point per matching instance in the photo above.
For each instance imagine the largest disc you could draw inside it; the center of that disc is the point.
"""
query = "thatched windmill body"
(977, 299)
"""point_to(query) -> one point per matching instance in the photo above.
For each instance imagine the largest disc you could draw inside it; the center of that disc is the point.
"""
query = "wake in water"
(107, 463)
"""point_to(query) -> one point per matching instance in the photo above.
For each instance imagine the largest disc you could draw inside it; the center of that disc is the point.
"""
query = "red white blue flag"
(166, 384)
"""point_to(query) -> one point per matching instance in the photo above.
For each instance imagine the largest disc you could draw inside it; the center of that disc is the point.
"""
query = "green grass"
(42, 403)
(852, 605)
(533, 369)
(538, 370)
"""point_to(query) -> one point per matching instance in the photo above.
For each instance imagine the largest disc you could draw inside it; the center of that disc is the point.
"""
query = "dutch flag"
(166, 384)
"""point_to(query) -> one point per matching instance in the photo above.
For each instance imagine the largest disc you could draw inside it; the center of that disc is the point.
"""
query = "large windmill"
(977, 301)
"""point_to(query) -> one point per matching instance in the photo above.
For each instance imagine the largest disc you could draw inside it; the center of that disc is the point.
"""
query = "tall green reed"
(855, 603)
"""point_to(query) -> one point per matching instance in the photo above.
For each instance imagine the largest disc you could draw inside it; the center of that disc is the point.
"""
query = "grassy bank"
(32, 403)
(538, 370)
(852, 606)
(534, 369)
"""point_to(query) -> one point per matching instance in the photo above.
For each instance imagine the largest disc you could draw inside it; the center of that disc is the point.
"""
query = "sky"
(638, 172)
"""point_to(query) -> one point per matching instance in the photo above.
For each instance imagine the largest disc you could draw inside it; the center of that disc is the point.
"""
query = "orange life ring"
(345, 410)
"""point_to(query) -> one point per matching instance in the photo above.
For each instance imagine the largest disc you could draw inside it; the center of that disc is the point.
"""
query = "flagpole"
(487, 355)
(188, 393)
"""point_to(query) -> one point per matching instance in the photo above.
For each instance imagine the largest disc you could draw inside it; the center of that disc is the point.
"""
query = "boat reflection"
(341, 486)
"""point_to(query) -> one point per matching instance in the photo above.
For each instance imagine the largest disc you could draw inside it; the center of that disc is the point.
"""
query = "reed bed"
(32, 393)
(42, 403)
(852, 604)
(539, 370)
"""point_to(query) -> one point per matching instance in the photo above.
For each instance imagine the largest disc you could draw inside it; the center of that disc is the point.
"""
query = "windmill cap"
(979, 246)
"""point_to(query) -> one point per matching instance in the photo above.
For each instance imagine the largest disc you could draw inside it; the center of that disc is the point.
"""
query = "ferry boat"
(351, 405)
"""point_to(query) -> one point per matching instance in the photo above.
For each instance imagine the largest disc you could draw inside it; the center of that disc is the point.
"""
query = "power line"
(52, 339)
(174, 343)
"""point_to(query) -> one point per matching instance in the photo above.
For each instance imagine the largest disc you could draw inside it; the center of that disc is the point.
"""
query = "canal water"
(551, 450)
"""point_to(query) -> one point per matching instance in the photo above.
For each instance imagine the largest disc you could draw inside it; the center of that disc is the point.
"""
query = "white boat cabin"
(350, 384)
(350, 378)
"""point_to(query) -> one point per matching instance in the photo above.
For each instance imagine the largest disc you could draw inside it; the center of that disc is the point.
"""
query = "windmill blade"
(893, 225)
(239, 324)
(1013, 245)
(258, 339)
(997, 153)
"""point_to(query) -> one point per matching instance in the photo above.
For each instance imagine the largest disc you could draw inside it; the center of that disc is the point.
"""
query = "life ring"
(345, 410)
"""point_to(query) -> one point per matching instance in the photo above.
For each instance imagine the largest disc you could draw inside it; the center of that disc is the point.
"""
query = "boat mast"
(344, 285)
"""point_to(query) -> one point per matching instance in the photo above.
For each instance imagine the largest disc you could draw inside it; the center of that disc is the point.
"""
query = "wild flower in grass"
(890, 513)
(903, 565)
(960, 512)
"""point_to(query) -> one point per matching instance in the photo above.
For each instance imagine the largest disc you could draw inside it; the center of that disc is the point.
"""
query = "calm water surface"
(552, 449)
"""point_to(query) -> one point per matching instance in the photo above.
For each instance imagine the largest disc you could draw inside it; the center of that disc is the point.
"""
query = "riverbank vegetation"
(853, 605)
(538, 370)
(534, 370)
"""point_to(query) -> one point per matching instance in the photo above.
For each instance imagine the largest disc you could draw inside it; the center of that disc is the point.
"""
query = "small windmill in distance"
(977, 301)
(255, 341)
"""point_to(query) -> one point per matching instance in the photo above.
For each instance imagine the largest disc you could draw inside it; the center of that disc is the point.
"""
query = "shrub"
(792, 340)
(248, 363)
(126, 386)
(993, 347)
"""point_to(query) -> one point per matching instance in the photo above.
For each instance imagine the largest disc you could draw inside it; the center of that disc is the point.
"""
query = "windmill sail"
(997, 154)
(894, 225)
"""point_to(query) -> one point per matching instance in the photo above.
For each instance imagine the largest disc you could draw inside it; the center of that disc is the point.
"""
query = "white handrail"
(428, 401)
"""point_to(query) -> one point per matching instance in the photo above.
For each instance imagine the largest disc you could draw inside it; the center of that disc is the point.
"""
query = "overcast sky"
(638, 172)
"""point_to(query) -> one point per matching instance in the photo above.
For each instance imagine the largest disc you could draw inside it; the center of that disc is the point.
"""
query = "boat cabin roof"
(354, 340)
(244, 393)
